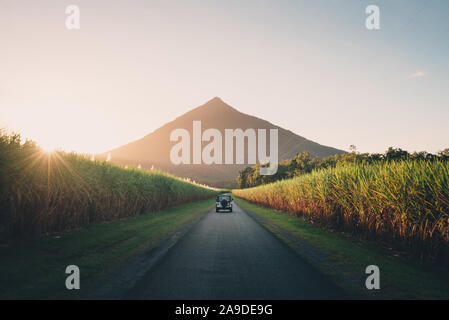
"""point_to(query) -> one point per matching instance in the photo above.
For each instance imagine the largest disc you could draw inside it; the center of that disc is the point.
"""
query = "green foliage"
(400, 277)
(302, 164)
(404, 202)
(97, 250)
(46, 192)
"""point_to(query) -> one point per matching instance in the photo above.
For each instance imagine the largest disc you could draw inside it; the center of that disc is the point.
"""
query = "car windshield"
(227, 198)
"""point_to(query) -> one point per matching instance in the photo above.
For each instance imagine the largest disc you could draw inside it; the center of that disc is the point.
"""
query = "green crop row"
(402, 203)
(44, 192)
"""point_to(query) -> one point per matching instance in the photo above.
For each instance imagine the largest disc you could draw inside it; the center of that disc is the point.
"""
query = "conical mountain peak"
(217, 104)
(155, 148)
(215, 100)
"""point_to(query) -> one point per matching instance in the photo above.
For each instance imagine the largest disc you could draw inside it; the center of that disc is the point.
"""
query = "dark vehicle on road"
(223, 202)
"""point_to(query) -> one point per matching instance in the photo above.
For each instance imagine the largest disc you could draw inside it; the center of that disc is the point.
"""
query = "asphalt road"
(231, 256)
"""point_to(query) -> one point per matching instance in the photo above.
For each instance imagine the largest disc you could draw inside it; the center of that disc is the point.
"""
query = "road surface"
(231, 256)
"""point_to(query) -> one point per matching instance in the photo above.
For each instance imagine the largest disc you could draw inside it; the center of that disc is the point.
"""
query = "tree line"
(302, 163)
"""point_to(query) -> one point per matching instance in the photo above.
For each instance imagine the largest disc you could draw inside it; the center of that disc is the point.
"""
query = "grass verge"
(35, 269)
(344, 259)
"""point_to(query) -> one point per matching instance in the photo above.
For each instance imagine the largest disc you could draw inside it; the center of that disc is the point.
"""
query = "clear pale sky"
(309, 66)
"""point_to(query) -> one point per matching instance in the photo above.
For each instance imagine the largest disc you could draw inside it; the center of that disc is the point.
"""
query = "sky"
(308, 66)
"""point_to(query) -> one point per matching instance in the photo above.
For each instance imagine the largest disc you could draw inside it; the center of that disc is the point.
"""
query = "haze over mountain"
(153, 150)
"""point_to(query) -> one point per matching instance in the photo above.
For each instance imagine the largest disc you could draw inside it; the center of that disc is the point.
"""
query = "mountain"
(153, 150)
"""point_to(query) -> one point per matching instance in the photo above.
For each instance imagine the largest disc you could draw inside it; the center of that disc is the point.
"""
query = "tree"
(396, 154)
(444, 154)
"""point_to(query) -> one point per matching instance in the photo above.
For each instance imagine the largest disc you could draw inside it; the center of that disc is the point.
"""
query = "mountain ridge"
(153, 150)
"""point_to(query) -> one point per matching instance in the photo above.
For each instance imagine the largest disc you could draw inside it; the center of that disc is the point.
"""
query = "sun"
(48, 147)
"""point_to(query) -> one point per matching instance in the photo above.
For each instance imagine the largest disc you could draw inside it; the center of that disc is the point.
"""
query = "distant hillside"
(153, 150)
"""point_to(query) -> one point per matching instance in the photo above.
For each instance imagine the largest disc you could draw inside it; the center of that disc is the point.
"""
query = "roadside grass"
(35, 269)
(401, 277)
